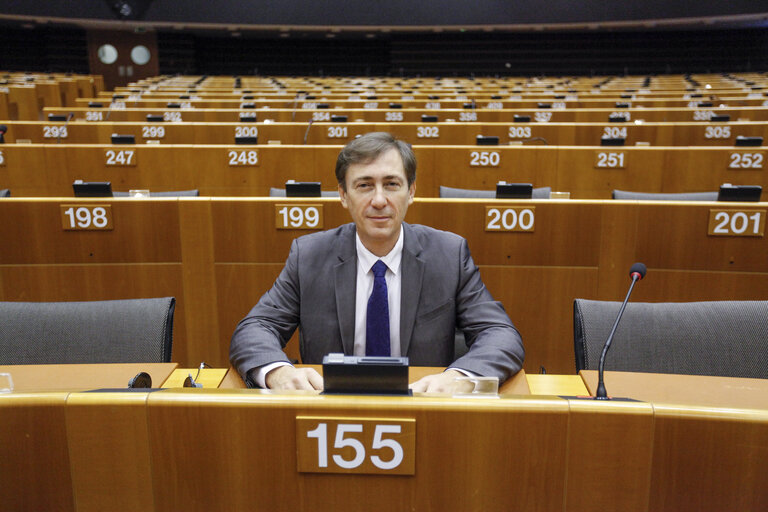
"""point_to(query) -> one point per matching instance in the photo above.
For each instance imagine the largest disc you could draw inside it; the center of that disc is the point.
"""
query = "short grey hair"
(367, 148)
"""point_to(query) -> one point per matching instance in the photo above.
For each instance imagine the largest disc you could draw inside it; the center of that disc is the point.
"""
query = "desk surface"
(696, 390)
(55, 377)
(516, 385)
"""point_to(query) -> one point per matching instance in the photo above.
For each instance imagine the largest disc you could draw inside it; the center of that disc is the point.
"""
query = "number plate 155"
(383, 446)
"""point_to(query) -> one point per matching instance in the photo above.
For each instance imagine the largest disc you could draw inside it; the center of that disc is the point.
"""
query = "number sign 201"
(510, 218)
(736, 223)
(299, 216)
(356, 445)
(86, 217)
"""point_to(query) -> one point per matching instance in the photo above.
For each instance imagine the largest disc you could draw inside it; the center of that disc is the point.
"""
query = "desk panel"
(34, 456)
(253, 461)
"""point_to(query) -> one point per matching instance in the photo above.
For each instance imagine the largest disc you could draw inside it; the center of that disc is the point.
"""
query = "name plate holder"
(365, 375)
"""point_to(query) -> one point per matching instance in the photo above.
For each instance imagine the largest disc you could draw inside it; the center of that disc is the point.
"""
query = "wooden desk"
(516, 385)
(691, 390)
(67, 377)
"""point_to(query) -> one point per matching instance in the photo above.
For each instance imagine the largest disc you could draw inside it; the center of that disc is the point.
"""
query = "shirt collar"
(392, 260)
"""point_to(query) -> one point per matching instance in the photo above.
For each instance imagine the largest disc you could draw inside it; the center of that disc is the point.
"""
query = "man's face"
(377, 198)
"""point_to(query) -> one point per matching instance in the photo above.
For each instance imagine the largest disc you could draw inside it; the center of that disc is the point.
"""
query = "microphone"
(3, 130)
(636, 273)
(306, 133)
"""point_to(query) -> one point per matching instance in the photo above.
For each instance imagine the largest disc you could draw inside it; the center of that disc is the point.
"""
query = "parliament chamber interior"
(158, 160)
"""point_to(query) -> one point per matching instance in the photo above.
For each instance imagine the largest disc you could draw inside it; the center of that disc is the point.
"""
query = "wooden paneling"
(109, 451)
(34, 456)
(500, 446)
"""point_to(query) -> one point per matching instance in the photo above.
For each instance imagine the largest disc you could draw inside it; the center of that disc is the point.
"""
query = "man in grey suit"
(423, 280)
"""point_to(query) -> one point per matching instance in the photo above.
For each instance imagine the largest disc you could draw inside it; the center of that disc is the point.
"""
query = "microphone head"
(638, 269)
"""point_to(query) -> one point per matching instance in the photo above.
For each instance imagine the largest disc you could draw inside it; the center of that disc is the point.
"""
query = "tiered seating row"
(584, 172)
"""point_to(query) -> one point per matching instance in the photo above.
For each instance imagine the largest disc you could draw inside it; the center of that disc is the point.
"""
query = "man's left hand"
(444, 382)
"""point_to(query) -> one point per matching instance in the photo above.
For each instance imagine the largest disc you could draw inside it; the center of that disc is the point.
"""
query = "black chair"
(722, 338)
(173, 193)
(280, 192)
(658, 196)
(458, 193)
(111, 331)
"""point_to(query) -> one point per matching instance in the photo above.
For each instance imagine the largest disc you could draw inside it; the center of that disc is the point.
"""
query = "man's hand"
(442, 383)
(289, 377)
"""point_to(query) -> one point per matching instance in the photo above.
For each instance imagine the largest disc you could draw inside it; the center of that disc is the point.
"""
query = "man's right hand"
(290, 377)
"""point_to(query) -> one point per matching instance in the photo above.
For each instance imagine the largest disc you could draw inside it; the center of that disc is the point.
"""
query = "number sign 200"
(299, 216)
(86, 217)
(356, 445)
(517, 218)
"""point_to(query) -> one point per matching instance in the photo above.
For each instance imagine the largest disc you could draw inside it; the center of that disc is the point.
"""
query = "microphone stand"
(601, 394)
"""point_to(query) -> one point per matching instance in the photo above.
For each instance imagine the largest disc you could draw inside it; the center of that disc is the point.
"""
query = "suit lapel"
(410, 286)
(345, 275)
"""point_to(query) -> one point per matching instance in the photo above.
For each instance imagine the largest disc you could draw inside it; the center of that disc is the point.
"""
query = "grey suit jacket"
(441, 290)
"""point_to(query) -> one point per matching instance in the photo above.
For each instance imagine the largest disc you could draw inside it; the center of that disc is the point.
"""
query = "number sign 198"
(86, 217)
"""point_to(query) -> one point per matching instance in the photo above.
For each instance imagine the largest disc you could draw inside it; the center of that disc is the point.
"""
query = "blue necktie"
(377, 319)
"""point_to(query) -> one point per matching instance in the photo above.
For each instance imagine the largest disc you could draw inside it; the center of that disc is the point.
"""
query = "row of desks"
(217, 256)
(442, 133)
(384, 113)
(39, 170)
(197, 449)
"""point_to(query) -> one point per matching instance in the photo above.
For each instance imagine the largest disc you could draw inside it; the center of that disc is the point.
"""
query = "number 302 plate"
(382, 446)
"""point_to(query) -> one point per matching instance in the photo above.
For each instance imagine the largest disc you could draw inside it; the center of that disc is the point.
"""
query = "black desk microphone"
(636, 273)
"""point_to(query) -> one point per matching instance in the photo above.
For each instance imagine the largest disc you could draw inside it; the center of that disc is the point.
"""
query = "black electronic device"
(487, 140)
(621, 105)
(743, 141)
(704, 104)
(118, 96)
(544, 105)
(246, 140)
(248, 105)
(496, 97)
(612, 141)
(95, 104)
(173, 105)
(117, 138)
(57, 117)
(365, 375)
(248, 118)
(395, 105)
(746, 193)
(428, 119)
(338, 119)
(302, 188)
(155, 118)
(92, 188)
(617, 118)
(720, 118)
(514, 190)
(433, 97)
(521, 119)
(469, 105)
(140, 381)
(323, 106)
(184, 97)
(249, 97)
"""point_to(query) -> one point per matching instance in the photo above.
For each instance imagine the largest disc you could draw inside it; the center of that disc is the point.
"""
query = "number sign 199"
(385, 446)
(299, 216)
